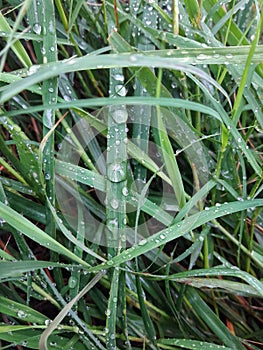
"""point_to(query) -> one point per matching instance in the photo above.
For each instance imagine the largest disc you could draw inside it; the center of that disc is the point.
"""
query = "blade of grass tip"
(63, 313)
(20, 267)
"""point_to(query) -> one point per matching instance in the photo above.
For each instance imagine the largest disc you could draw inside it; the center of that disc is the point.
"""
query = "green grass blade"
(178, 230)
(64, 312)
(23, 225)
(192, 344)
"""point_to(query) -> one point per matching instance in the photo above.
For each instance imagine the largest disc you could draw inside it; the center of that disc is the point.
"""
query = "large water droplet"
(21, 314)
(116, 172)
(121, 90)
(119, 77)
(120, 115)
(125, 191)
(142, 242)
(108, 312)
(114, 203)
(72, 282)
(37, 28)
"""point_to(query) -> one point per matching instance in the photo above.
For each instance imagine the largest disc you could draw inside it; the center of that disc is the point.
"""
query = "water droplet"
(33, 69)
(21, 314)
(142, 242)
(201, 57)
(37, 28)
(114, 203)
(116, 172)
(125, 191)
(120, 115)
(121, 90)
(108, 312)
(133, 58)
(72, 282)
(119, 77)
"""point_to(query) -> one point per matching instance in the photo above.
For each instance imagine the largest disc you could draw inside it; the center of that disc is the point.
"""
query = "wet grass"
(131, 175)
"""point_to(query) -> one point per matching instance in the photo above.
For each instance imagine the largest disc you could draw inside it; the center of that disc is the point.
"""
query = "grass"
(131, 175)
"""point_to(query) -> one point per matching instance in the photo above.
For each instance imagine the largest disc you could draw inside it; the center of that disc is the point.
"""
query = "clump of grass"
(131, 175)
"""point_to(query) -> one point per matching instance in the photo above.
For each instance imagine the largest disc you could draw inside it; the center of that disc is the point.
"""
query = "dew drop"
(121, 90)
(120, 115)
(201, 57)
(116, 172)
(114, 203)
(108, 312)
(21, 314)
(72, 282)
(142, 242)
(125, 191)
(37, 28)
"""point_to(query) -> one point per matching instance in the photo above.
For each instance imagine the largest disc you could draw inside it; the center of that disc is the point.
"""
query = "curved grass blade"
(51, 70)
(25, 226)
(178, 230)
(16, 268)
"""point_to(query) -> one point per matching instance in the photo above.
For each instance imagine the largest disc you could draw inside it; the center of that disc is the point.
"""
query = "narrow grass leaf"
(17, 268)
(178, 230)
(192, 344)
(25, 226)
(64, 312)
